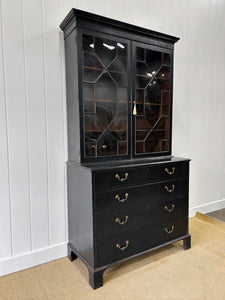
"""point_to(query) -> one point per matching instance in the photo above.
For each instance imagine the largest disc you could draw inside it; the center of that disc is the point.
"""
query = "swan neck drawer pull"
(170, 172)
(122, 179)
(117, 197)
(169, 231)
(122, 248)
(117, 220)
(169, 209)
(170, 190)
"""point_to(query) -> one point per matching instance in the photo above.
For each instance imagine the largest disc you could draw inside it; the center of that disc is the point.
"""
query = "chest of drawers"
(120, 211)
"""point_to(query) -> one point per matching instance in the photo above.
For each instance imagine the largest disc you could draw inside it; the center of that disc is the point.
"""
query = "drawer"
(119, 247)
(119, 221)
(133, 242)
(140, 196)
(168, 210)
(169, 230)
(120, 178)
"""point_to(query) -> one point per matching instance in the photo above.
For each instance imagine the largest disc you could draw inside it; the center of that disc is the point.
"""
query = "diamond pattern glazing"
(152, 100)
(105, 84)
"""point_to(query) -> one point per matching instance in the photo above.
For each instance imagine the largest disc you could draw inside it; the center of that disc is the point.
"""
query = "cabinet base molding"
(96, 274)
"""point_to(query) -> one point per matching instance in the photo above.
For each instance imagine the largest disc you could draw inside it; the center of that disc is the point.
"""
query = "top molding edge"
(115, 23)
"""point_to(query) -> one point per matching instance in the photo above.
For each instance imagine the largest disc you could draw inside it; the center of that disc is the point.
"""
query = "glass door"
(152, 97)
(105, 94)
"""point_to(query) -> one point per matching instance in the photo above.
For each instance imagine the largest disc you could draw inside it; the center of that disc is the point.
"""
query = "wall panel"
(36, 111)
(16, 114)
(5, 206)
(55, 121)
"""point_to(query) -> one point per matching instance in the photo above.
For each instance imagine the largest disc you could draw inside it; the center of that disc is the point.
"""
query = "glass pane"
(116, 70)
(152, 100)
(88, 95)
(92, 67)
(105, 88)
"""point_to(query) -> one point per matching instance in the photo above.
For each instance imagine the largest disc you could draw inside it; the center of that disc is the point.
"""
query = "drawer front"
(114, 249)
(168, 210)
(169, 230)
(120, 178)
(140, 196)
(119, 221)
(130, 243)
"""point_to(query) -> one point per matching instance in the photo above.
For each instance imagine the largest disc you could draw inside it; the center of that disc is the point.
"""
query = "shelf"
(142, 130)
(152, 77)
(149, 103)
(102, 69)
(96, 130)
(104, 100)
(118, 101)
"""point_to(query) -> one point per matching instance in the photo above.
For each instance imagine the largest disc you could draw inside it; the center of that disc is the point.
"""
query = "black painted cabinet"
(126, 194)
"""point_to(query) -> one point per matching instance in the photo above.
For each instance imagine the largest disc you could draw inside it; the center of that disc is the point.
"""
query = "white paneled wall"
(33, 213)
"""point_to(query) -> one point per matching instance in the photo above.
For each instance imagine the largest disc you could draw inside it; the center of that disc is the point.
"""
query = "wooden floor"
(169, 273)
(218, 214)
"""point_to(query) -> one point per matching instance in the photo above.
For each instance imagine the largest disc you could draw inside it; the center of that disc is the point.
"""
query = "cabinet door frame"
(80, 33)
(134, 45)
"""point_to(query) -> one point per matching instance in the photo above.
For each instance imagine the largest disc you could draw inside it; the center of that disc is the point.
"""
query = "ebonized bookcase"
(127, 194)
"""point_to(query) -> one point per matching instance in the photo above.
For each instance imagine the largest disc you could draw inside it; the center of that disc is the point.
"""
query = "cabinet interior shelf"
(101, 130)
(146, 76)
(101, 70)
(119, 72)
(119, 101)
(147, 130)
(121, 130)
(105, 100)
(150, 103)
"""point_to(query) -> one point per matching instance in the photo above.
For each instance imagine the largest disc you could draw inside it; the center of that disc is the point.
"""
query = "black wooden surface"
(83, 157)
(87, 17)
(140, 175)
(105, 225)
(80, 211)
(141, 44)
(75, 25)
(73, 115)
(139, 196)
(140, 240)
(135, 162)
(157, 215)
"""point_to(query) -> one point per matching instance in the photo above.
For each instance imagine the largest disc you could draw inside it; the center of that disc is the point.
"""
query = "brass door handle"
(122, 179)
(170, 172)
(169, 209)
(117, 197)
(122, 248)
(117, 220)
(170, 190)
(169, 231)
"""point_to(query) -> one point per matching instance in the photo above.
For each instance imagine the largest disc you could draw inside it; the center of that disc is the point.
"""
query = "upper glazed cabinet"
(124, 90)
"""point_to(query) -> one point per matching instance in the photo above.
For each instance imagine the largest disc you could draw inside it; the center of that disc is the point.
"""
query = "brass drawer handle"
(170, 190)
(121, 179)
(170, 172)
(117, 197)
(169, 209)
(169, 231)
(122, 248)
(117, 220)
